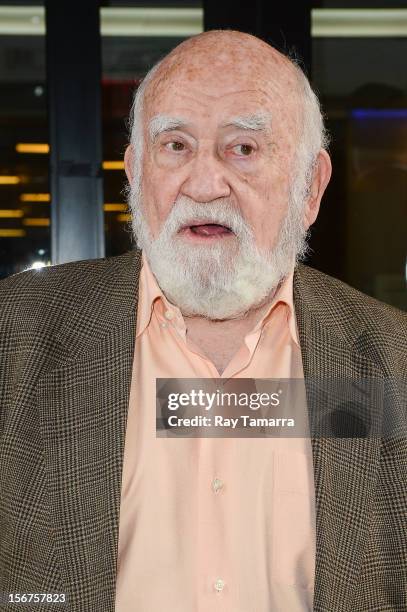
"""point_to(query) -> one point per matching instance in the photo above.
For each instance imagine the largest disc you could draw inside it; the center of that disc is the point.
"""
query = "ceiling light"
(11, 213)
(9, 180)
(36, 222)
(35, 197)
(12, 233)
(326, 23)
(115, 207)
(32, 147)
(113, 165)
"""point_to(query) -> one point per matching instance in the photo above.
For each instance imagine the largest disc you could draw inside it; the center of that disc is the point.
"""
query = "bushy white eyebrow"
(164, 123)
(256, 121)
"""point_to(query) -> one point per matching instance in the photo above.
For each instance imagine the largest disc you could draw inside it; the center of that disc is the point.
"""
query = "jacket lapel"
(83, 410)
(344, 468)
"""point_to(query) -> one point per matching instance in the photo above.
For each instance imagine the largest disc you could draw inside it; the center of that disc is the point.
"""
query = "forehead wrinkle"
(164, 123)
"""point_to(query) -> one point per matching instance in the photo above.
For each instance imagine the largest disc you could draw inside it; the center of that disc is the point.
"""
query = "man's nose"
(206, 180)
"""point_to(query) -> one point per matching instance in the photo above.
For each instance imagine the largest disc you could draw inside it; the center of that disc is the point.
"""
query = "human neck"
(221, 339)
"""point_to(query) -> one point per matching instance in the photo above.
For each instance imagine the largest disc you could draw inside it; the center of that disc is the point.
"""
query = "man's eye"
(244, 149)
(175, 145)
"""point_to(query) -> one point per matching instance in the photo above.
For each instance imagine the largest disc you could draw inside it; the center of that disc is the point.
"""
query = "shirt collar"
(284, 295)
(149, 292)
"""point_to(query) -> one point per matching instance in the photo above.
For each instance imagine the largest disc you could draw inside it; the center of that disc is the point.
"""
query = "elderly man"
(226, 167)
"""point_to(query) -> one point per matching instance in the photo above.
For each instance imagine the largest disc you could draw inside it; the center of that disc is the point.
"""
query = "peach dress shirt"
(213, 524)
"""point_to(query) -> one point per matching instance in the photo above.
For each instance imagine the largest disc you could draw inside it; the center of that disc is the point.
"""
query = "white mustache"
(186, 212)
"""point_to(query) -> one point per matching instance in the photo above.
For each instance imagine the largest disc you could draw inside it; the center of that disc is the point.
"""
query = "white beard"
(229, 277)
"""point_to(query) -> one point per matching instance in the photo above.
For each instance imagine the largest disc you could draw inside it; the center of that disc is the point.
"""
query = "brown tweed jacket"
(67, 336)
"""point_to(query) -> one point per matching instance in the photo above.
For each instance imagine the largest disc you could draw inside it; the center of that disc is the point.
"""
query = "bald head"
(230, 56)
(224, 48)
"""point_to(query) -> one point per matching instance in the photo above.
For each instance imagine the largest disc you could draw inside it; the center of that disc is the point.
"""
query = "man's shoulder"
(76, 275)
(338, 304)
(70, 281)
(63, 296)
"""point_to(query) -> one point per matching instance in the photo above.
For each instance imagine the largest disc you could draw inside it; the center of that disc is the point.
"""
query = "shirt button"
(219, 584)
(168, 315)
(164, 324)
(217, 484)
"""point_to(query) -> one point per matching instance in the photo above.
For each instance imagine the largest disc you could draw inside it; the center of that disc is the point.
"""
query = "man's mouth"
(206, 230)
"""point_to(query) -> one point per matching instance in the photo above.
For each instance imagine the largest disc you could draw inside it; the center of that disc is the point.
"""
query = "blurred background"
(68, 72)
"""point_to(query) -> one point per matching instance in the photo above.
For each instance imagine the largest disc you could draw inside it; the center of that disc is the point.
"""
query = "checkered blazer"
(67, 336)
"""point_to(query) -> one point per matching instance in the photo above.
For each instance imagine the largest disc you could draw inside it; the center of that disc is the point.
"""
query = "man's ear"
(129, 163)
(320, 180)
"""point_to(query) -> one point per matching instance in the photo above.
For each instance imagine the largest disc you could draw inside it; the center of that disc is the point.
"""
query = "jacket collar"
(83, 405)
